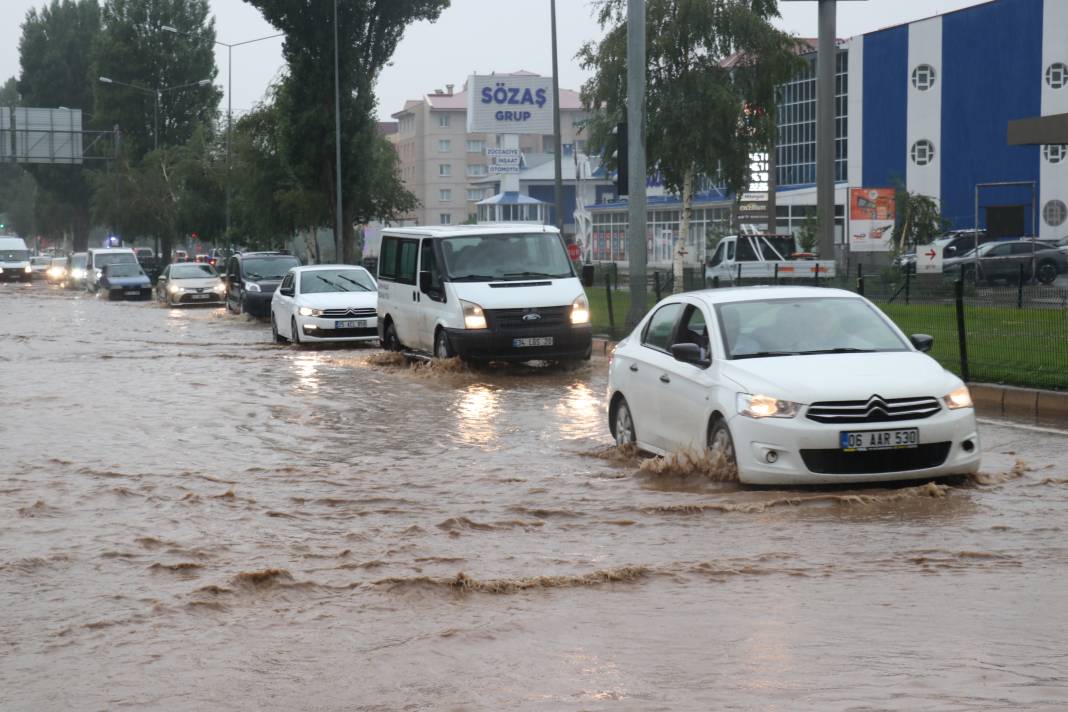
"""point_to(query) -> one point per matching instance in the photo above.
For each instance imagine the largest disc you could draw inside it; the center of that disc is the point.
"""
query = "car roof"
(110, 249)
(726, 295)
(441, 231)
(242, 255)
(315, 268)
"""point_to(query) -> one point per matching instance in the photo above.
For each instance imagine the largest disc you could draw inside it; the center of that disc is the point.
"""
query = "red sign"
(573, 252)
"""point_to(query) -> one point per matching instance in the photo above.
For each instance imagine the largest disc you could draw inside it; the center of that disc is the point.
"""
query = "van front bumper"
(569, 343)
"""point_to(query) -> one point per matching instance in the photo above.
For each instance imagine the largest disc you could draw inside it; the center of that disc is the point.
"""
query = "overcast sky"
(471, 36)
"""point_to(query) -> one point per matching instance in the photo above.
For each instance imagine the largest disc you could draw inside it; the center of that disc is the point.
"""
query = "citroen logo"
(876, 404)
(533, 316)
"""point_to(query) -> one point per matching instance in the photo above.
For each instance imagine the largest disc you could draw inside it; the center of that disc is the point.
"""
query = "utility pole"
(339, 238)
(636, 158)
(826, 62)
(558, 193)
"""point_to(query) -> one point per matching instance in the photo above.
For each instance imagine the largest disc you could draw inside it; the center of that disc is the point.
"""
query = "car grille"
(526, 319)
(874, 410)
(838, 462)
(349, 313)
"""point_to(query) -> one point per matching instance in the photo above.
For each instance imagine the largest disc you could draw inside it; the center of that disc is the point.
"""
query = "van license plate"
(864, 440)
(532, 341)
(351, 324)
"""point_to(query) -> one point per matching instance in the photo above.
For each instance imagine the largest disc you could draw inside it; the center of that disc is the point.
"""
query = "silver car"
(186, 283)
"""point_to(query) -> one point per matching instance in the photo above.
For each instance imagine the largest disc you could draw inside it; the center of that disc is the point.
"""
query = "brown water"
(194, 518)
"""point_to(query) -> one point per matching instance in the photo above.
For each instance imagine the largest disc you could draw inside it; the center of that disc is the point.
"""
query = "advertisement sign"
(871, 219)
(753, 204)
(503, 104)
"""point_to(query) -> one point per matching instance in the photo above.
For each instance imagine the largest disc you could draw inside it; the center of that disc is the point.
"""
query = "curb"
(991, 399)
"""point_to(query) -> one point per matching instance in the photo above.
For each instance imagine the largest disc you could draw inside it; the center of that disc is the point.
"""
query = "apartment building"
(446, 167)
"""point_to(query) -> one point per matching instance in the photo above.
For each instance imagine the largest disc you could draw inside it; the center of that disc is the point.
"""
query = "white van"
(98, 257)
(481, 292)
(14, 259)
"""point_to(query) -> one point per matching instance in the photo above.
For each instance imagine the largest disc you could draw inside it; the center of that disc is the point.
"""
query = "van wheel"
(442, 347)
(390, 342)
(721, 448)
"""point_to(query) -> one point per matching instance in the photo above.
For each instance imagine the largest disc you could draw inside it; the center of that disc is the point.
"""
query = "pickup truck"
(763, 256)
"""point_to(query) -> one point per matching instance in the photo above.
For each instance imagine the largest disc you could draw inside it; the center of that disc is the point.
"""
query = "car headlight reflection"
(960, 398)
(580, 311)
(474, 317)
(760, 406)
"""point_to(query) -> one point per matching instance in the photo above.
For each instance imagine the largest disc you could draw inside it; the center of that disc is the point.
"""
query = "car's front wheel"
(294, 331)
(721, 449)
(624, 424)
(1047, 273)
(278, 338)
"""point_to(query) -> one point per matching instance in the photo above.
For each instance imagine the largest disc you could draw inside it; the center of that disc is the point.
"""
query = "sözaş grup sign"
(502, 104)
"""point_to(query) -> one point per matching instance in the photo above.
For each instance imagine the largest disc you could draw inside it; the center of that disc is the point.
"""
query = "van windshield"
(501, 258)
(114, 258)
(78, 260)
(14, 255)
(258, 268)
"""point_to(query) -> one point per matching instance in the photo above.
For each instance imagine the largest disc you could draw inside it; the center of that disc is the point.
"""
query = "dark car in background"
(1003, 260)
(124, 280)
(251, 278)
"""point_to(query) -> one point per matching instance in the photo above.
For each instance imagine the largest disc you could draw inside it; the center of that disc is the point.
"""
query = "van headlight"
(28, 269)
(252, 287)
(580, 310)
(474, 317)
(759, 406)
(960, 398)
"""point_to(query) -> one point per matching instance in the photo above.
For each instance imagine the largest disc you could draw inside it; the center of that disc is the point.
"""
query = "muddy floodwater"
(192, 518)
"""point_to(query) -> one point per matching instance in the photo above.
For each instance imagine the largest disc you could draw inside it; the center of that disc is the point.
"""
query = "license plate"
(532, 341)
(864, 440)
(132, 292)
(351, 324)
(201, 296)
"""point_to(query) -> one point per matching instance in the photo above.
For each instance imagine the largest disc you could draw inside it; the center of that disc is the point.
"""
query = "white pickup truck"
(762, 256)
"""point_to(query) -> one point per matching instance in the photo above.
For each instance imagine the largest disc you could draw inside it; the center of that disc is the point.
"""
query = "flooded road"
(194, 518)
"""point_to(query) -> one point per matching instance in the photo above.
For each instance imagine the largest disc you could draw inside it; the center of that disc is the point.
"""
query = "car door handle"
(634, 367)
(664, 378)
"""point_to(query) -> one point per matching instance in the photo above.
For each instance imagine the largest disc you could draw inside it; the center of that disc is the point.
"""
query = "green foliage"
(132, 47)
(368, 34)
(809, 234)
(919, 219)
(712, 72)
(9, 92)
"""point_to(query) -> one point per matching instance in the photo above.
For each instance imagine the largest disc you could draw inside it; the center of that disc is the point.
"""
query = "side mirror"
(951, 250)
(922, 342)
(288, 292)
(690, 353)
(424, 282)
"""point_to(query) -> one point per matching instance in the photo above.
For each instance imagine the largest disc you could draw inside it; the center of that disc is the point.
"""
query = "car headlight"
(175, 289)
(580, 311)
(474, 317)
(28, 269)
(77, 273)
(960, 398)
(308, 311)
(252, 287)
(759, 406)
(219, 288)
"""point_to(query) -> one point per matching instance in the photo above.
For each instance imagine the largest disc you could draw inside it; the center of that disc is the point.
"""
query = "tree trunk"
(684, 231)
(348, 241)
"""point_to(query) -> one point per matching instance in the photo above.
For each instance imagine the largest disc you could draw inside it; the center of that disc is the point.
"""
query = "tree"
(809, 234)
(368, 32)
(133, 48)
(919, 219)
(54, 55)
(712, 73)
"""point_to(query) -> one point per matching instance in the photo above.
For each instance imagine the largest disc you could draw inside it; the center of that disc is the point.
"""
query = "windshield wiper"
(474, 278)
(253, 276)
(532, 274)
(763, 354)
(353, 281)
(339, 287)
(838, 350)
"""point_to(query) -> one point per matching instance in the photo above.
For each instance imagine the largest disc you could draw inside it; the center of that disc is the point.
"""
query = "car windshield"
(814, 325)
(193, 271)
(40, 260)
(336, 280)
(498, 258)
(78, 260)
(14, 255)
(115, 258)
(124, 269)
(257, 268)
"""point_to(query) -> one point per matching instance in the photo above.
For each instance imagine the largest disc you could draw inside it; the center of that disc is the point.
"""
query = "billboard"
(504, 104)
(872, 213)
(31, 135)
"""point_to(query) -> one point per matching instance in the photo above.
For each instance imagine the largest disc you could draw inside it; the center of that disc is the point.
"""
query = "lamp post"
(229, 98)
(339, 237)
(157, 93)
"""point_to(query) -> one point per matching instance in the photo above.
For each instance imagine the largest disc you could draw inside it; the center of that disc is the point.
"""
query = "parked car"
(189, 283)
(39, 265)
(325, 303)
(99, 257)
(78, 265)
(1003, 260)
(144, 253)
(790, 385)
(483, 292)
(953, 244)
(15, 260)
(57, 272)
(123, 280)
(252, 277)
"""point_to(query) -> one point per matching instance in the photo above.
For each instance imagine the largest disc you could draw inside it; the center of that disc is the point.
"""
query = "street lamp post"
(229, 98)
(157, 93)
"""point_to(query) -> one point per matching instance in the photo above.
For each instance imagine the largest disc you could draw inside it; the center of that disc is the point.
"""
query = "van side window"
(746, 253)
(718, 256)
(387, 263)
(730, 250)
(428, 263)
(408, 258)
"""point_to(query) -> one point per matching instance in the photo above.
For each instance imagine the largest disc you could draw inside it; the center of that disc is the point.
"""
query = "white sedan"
(790, 385)
(325, 303)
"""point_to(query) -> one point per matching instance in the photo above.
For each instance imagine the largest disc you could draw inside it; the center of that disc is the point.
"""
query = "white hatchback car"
(325, 303)
(790, 385)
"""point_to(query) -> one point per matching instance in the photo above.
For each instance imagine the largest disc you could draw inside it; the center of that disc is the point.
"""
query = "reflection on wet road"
(194, 518)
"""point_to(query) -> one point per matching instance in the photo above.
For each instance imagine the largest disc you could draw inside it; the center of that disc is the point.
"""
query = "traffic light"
(622, 175)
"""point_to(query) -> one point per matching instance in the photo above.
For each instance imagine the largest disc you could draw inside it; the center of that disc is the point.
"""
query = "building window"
(445, 170)
(923, 152)
(795, 149)
(445, 195)
(477, 170)
(1055, 152)
(443, 121)
(548, 144)
(1055, 212)
(444, 145)
(445, 219)
(476, 146)
(923, 77)
(474, 195)
(1057, 75)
